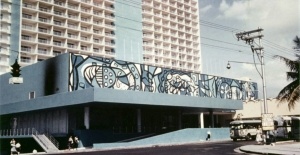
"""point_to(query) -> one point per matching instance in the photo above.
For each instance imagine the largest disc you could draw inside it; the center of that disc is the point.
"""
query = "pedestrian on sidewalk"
(70, 143)
(259, 135)
(76, 141)
(208, 135)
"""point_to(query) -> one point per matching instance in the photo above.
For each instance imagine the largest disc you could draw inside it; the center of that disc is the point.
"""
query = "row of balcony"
(175, 58)
(169, 30)
(163, 10)
(5, 8)
(75, 6)
(164, 35)
(175, 38)
(49, 53)
(74, 16)
(97, 27)
(66, 43)
(168, 20)
(6, 19)
(172, 64)
(68, 34)
(163, 52)
(40, 55)
(179, 46)
(172, 8)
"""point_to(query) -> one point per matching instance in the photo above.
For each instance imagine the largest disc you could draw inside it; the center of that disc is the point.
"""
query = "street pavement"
(284, 147)
(278, 148)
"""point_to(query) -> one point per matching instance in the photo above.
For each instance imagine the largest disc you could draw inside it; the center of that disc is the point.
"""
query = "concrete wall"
(253, 109)
(172, 138)
(15, 30)
(88, 71)
(129, 34)
(44, 78)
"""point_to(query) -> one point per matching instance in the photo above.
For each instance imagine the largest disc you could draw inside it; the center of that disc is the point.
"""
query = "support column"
(139, 121)
(201, 120)
(212, 121)
(179, 120)
(87, 117)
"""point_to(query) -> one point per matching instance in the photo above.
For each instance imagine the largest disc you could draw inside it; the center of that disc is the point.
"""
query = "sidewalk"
(287, 148)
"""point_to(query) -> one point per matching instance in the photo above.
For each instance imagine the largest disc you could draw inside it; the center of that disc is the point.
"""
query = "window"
(96, 50)
(43, 19)
(25, 48)
(26, 37)
(70, 45)
(83, 47)
(42, 40)
(96, 40)
(57, 22)
(31, 95)
(42, 51)
(55, 53)
(83, 28)
(96, 31)
(84, 38)
(57, 12)
(44, 30)
(58, 33)
(57, 43)
(25, 59)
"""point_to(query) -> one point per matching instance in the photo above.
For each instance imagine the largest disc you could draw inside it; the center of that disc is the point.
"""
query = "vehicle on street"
(295, 131)
(244, 129)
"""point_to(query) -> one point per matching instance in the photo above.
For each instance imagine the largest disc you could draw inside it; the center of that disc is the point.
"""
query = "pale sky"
(222, 19)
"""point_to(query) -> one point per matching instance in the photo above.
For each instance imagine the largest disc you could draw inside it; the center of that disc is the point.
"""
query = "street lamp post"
(263, 106)
(267, 122)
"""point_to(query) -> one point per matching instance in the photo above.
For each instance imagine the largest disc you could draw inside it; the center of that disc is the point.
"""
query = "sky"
(220, 20)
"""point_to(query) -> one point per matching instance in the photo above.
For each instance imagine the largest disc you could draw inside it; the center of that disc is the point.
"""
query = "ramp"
(45, 143)
(183, 136)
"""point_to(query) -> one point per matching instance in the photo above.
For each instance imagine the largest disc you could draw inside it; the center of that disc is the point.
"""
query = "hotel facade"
(121, 69)
(162, 33)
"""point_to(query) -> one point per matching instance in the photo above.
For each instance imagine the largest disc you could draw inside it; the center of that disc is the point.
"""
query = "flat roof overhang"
(104, 95)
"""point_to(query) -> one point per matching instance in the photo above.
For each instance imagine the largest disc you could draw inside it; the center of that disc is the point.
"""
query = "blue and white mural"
(89, 71)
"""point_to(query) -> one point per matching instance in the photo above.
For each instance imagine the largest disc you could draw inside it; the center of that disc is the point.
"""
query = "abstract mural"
(88, 71)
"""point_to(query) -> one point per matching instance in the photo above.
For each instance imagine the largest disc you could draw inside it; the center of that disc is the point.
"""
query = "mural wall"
(88, 71)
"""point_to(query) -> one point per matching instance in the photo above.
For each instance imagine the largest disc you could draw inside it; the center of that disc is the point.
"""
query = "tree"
(291, 92)
(15, 71)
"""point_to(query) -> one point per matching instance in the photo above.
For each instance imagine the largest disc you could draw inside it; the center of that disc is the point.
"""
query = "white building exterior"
(166, 33)
(253, 109)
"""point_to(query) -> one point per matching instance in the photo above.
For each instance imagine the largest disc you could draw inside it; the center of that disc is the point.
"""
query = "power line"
(223, 42)
(202, 22)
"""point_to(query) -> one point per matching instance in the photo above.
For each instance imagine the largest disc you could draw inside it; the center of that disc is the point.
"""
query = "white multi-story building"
(162, 33)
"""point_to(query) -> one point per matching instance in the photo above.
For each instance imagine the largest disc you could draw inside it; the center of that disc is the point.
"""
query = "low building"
(109, 100)
(252, 109)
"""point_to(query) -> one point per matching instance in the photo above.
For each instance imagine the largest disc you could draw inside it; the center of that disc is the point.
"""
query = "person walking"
(70, 143)
(13, 149)
(208, 135)
(76, 141)
(258, 135)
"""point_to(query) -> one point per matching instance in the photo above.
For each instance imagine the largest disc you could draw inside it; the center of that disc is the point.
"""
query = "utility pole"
(258, 49)
(249, 37)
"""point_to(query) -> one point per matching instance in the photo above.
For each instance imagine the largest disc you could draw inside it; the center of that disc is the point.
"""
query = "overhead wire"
(204, 23)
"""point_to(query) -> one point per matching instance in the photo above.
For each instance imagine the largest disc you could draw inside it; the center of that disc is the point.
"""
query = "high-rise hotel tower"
(162, 33)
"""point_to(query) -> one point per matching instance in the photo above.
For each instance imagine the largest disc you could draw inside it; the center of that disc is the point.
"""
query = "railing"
(18, 132)
(29, 132)
(52, 139)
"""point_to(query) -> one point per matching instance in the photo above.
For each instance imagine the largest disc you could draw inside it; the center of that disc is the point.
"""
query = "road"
(205, 148)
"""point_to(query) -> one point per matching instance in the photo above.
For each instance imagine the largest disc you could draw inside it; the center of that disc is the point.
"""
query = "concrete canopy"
(104, 95)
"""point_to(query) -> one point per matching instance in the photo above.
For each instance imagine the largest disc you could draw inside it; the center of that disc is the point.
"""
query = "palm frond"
(292, 76)
(291, 64)
(294, 97)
